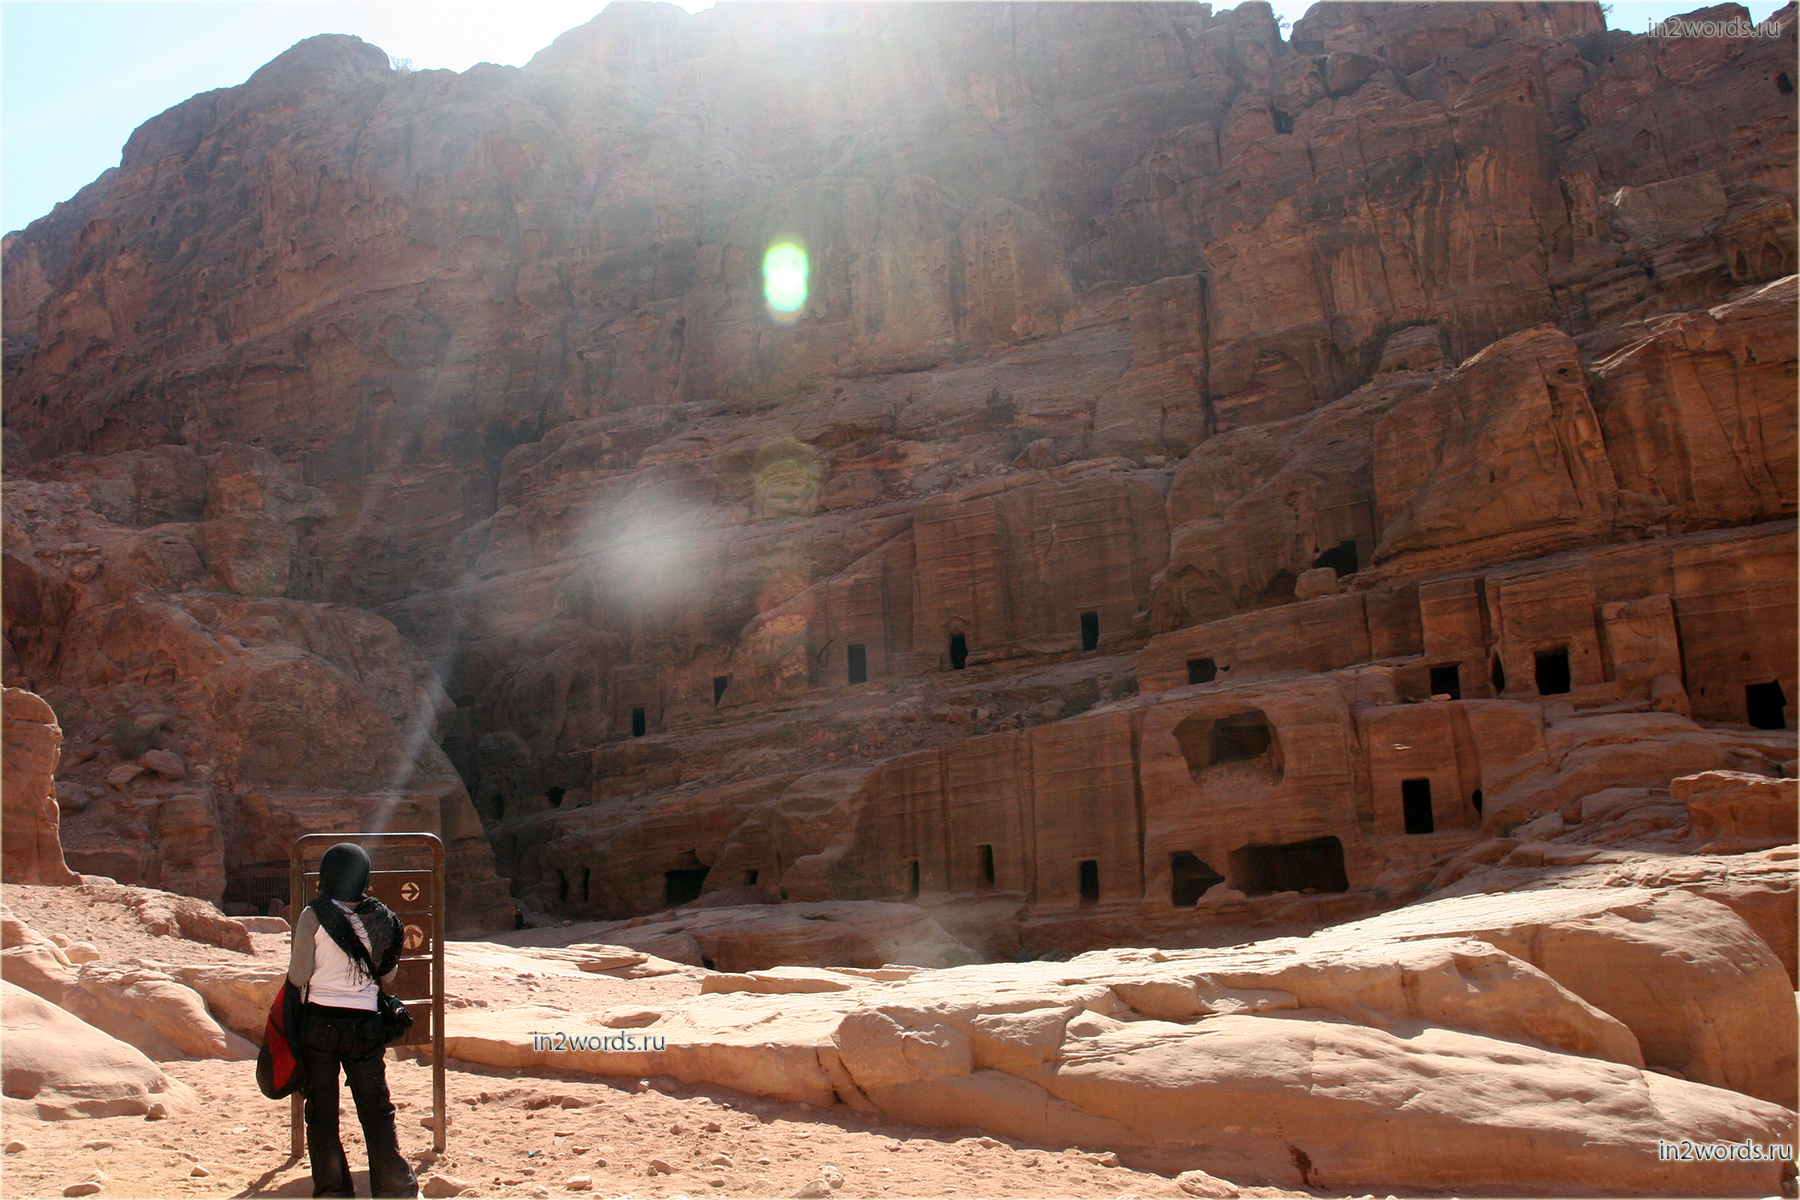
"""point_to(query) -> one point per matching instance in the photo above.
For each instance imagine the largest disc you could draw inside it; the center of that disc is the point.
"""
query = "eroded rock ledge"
(1541, 1038)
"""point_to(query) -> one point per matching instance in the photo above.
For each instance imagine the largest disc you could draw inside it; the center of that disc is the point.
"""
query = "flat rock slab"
(780, 981)
(764, 1045)
(1407, 1051)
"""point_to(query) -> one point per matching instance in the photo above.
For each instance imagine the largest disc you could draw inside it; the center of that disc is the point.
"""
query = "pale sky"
(77, 76)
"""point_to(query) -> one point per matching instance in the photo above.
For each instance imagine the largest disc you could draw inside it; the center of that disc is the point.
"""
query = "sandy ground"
(114, 929)
(517, 1134)
(530, 1135)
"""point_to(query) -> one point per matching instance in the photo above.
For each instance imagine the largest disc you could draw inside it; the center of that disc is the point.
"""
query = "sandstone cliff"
(1177, 409)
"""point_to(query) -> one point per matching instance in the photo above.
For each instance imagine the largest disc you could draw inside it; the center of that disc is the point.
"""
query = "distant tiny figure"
(346, 946)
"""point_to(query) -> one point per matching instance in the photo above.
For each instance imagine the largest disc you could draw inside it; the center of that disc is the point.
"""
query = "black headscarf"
(344, 872)
(344, 875)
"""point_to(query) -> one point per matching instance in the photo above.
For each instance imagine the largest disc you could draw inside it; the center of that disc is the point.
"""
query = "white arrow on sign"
(414, 937)
(409, 890)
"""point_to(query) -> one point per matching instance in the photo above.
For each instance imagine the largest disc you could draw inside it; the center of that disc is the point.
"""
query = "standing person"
(346, 946)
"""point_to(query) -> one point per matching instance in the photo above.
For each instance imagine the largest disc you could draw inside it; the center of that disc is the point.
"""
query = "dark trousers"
(351, 1038)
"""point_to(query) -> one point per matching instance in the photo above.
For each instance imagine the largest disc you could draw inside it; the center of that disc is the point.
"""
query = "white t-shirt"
(334, 982)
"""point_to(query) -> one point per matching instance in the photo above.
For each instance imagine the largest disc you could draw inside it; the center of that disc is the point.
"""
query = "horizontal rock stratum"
(417, 450)
(1472, 1043)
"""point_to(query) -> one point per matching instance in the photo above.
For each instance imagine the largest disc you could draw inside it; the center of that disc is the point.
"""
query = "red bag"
(280, 1071)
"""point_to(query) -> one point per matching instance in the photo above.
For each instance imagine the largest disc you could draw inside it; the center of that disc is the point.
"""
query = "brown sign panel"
(415, 934)
(420, 1033)
(392, 888)
(412, 981)
(402, 891)
(411, 890)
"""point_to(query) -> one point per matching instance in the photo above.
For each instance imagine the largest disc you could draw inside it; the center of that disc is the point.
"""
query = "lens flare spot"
(784, 279)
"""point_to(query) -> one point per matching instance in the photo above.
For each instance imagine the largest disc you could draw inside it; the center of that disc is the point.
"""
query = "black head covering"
(344, 872)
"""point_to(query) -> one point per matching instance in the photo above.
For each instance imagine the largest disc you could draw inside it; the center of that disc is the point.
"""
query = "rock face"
(1740, 809)
(33, 743)
(295, 717)
(1435, 1045)
(1212, 477)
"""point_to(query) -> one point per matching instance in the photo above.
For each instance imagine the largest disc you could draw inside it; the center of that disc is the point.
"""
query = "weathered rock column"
(33, 743)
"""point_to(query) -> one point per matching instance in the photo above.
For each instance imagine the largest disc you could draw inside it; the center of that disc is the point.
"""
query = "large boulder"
(1758, 886)
(767, 1045)
(151, 1010)
(67, 1068)
(1707, 998)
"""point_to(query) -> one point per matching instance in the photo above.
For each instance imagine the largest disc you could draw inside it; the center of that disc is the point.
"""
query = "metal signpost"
(417, 898)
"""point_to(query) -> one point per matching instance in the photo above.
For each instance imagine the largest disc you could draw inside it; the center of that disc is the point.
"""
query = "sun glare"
(784, 280)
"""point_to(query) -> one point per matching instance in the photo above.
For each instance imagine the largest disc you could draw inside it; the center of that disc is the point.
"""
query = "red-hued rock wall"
(417, 449)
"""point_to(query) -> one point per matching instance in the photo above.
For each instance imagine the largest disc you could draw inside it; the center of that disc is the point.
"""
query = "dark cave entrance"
(637, 722)
(1243, 737)
(912, 880)
(1340, 558)
(1090, 631)
(1090, 881)
(554, 797)
(683, 885)
(984, 872)
(685, 881)
(1189, 879)
(1764, 703)
(1447, 681)
(720, 683)
(1202, 670)
(1316, 864)
(1498, 675)
(1553, 671)
(959, 651)
(858, 656)
(1415, 803)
